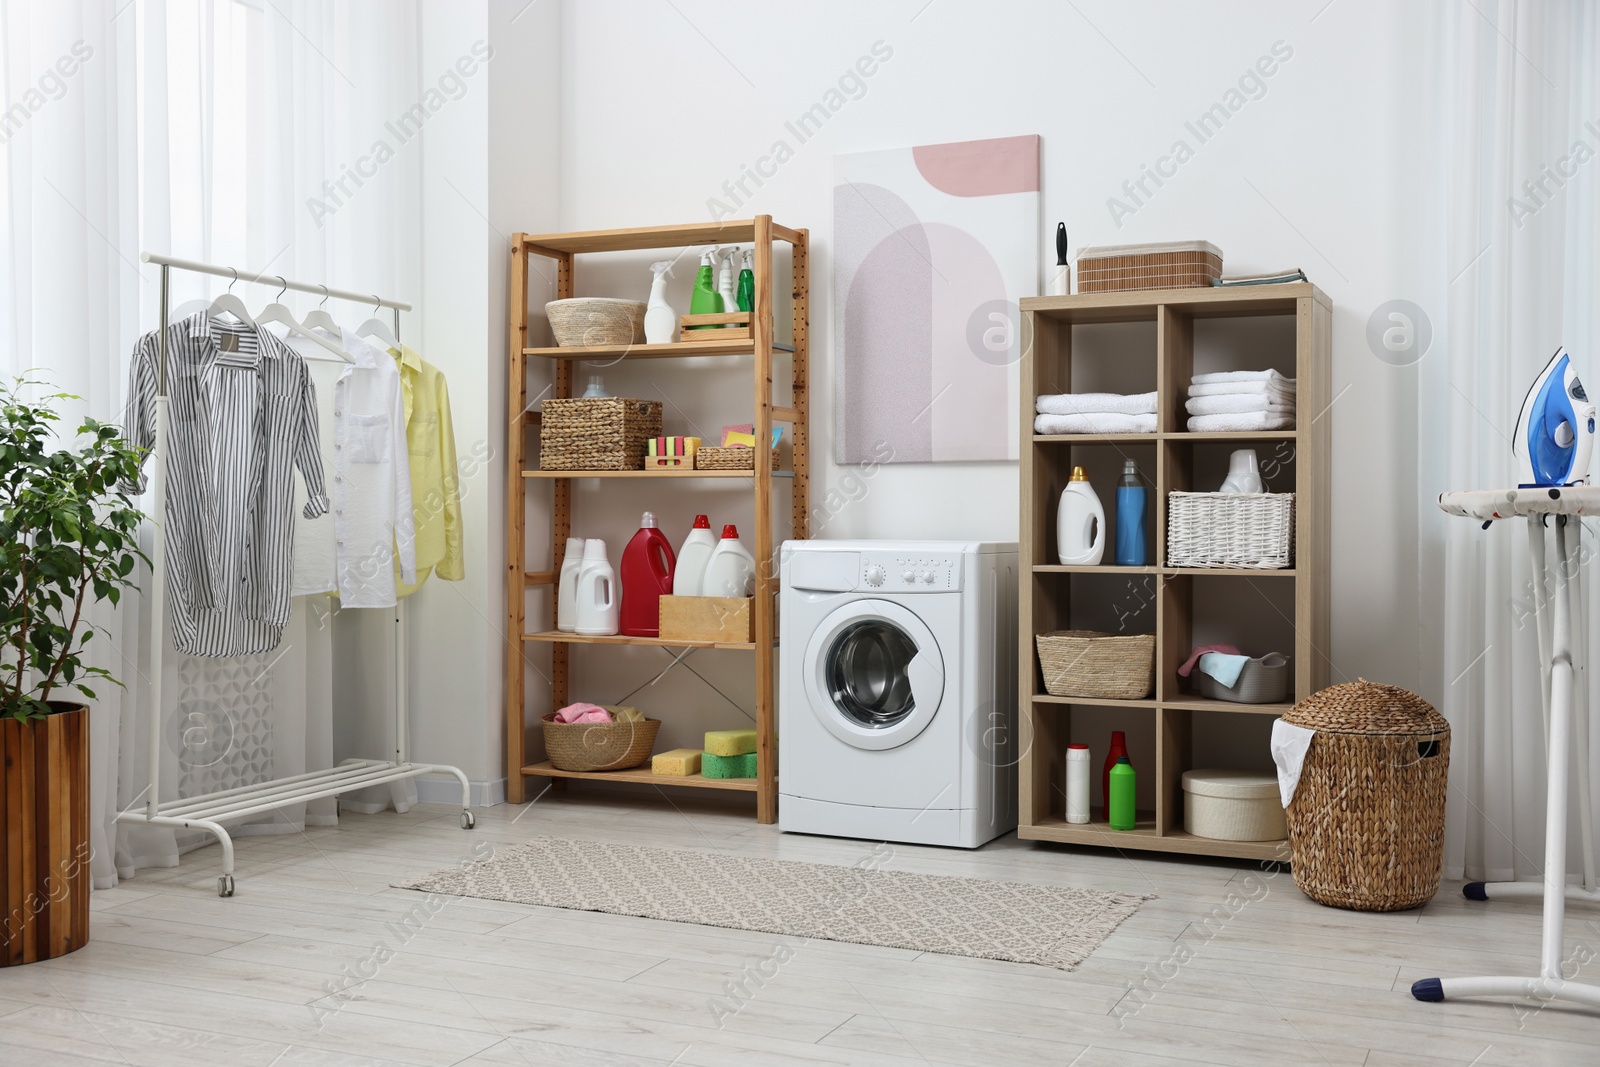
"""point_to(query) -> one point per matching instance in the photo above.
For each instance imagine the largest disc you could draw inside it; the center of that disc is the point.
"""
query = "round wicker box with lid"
(1366, 825)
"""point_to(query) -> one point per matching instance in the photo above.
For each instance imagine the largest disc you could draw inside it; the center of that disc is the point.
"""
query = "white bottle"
(660, 321)
(1080, 523)
(1078, 775)
(567, 586)
(689, 578)
(599, 606)
(1243, 474)
(725, 277)
(731, 569)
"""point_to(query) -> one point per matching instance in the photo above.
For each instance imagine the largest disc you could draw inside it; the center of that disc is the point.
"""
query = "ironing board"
(1561, 659)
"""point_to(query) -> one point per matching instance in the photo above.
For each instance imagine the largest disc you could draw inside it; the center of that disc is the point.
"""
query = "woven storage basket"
(598, 746)
(599, 434)
(1169, 265)
(718, 458)
(1083, 663)
(1230, 530)
(1232, 806)
(1367, 821)
(596, 320)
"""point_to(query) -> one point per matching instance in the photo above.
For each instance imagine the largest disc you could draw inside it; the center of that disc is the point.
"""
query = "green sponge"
(730, 742)
(715, 766)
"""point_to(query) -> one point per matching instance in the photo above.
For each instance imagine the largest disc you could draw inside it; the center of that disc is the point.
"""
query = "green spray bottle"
(705, 300)
(747, 283)
(1121, 810)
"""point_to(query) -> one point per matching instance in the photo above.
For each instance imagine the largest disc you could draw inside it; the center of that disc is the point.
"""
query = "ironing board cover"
(1510, 503)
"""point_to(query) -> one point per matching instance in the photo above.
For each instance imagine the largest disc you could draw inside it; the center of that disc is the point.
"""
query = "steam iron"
(1555, 431)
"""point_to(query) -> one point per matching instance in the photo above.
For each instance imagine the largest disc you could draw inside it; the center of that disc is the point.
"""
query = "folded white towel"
(1240, 422)
(1096, 404)
(1096, 422)
(1240, 376)
(1283, 388)
(1227, 404)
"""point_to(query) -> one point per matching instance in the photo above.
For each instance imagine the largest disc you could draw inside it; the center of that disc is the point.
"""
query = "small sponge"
(679, 763)
(730, 742)
(740, 766)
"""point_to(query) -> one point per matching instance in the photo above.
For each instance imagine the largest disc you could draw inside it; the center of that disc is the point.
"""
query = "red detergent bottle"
(647, 566)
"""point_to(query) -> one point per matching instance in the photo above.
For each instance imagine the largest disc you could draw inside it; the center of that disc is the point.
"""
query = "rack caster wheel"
(468, 820)
(225, 886)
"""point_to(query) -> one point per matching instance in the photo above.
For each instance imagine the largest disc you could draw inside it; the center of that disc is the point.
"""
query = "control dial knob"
(875, 575)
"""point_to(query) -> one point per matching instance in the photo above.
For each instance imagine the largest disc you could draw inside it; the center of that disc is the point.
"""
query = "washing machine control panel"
(891, 572)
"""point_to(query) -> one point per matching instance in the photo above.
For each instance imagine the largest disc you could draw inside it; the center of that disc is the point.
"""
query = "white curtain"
(207, 129)
(1516, 197)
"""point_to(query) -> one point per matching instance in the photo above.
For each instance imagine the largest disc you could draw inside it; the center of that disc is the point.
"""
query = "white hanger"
(375, 327)
(318, 316)
(276, 312)
(228, 304)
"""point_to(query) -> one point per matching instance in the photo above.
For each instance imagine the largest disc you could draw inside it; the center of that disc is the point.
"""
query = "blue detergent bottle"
(1130, 517)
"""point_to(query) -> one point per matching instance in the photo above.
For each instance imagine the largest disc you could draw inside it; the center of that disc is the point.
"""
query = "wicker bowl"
(730, 458)
(598, 746)
(1083, 663)
(596, 320)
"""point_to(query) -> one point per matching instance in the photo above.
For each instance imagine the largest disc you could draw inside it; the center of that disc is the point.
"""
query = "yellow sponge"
(679, 763)
(730, 742)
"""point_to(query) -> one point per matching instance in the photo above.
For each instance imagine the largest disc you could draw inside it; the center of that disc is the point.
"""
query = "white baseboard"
(442, 789)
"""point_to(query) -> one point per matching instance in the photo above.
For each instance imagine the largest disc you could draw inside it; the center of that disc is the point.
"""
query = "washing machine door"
(874, 674)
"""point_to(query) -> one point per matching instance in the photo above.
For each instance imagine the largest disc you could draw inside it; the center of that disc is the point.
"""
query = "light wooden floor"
(175, 975)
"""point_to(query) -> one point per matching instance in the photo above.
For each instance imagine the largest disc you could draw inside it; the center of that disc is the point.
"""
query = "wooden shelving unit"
(1046, 600)
(562, 249)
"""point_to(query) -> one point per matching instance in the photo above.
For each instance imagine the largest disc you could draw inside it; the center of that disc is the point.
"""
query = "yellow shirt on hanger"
(435, 484)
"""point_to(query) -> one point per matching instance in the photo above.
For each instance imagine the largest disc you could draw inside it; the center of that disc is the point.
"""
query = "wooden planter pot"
(44, 836)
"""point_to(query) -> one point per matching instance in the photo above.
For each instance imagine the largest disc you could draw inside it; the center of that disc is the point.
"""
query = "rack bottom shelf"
(1145, 838)
(645, 776)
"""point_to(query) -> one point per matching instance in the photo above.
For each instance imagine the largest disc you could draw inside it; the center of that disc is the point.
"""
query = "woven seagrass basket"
(598, 746)
(718, 458)
(596, 320)
(597, 434)
(1366, 825)
(1083, 663)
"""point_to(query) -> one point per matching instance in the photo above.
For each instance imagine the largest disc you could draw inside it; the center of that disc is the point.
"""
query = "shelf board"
(1246, 435)
(1143, 836)
(1139, 305)
(675, 350)
(747, 475)
(1091, 702)
(731, 231)
(1095, 438)
(1111, 568)
(561, 637)
(1199, 703)
(1246, 572)
(640, 774)
(1098, 568)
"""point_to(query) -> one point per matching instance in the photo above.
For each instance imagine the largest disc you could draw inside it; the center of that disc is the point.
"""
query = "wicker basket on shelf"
(1083, 663)
(597, 434)
(596, 320)
(1366, 824)
(598, 746)
(1168, 265)
(1246, 530)
(719, 458)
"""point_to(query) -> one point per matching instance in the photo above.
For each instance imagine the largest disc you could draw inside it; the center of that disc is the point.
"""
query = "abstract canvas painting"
(932, 248)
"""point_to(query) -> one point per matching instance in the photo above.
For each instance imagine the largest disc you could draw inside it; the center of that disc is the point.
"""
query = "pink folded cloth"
(581, 712)
(1194, 657)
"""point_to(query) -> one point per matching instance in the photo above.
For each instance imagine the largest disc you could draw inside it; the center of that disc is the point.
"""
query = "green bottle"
(705, 300)
(1121, 803)
(747, 283)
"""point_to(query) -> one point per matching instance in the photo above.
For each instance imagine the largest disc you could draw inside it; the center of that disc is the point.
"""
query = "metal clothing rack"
(210, 811)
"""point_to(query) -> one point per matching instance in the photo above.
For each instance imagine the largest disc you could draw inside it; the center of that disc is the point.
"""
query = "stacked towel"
(1095, 413)
(1241, 401)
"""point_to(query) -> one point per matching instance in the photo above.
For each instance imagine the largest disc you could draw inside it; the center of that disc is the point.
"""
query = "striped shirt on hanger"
(242, 418)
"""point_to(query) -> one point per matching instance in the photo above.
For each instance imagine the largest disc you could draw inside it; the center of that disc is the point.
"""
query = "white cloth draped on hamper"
(1514, 277)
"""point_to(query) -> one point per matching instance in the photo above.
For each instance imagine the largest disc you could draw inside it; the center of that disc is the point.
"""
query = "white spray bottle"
(660, 321)
(725, 276)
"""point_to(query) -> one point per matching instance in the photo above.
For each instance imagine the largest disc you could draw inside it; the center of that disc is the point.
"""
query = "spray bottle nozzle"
(662, 267)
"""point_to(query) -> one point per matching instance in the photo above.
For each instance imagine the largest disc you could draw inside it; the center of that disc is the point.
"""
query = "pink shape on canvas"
(981, 168)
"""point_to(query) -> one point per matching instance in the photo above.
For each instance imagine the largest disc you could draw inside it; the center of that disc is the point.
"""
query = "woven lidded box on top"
(1367, 821)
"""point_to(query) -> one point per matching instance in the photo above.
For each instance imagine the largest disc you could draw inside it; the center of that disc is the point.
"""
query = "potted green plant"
(68, 537)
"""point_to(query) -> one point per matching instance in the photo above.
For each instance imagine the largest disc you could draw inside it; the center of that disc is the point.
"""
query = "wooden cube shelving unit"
(1046, 600)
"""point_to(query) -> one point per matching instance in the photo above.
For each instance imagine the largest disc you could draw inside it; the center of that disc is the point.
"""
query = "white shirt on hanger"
(364, 452)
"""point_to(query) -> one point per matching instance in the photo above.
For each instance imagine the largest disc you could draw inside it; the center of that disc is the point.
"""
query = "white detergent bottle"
(731, 569)
(689, 578)
(660, 321)
(1080, 523)
(725, 277)
(567, 586)
(599, 606)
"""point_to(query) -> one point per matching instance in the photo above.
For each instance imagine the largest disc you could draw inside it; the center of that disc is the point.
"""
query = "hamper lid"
(1363, 707)
(1232, 785)
(1154, 248)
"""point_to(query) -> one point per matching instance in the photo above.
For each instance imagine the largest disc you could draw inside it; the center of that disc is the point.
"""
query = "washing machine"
(897, 690)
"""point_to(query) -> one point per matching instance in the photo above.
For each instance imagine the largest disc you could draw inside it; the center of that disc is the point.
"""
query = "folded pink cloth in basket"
(581, 712)
(1194, 657)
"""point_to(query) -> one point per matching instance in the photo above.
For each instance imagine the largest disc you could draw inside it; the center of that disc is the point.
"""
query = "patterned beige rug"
(958, 916)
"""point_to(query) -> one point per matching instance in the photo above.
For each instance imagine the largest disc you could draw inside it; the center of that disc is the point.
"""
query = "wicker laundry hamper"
(1366, 825)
